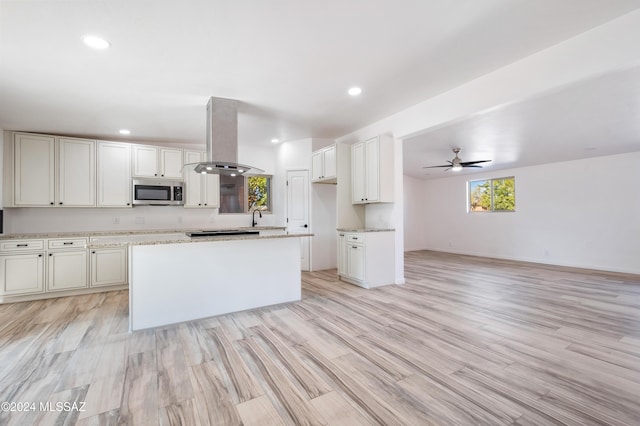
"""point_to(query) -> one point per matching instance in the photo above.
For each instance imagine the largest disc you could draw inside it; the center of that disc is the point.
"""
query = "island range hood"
(222, 141)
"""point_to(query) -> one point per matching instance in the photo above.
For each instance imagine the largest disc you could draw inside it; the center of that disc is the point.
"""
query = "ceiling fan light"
(456, 167)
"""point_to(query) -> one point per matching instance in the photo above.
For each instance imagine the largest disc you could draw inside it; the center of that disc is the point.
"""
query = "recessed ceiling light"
(275, 140)
(96, 42)
(125, 131)
(355, 91)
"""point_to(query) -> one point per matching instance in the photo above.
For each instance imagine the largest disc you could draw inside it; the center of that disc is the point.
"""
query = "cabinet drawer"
(21, 245)
(63, 243)
(355, 238)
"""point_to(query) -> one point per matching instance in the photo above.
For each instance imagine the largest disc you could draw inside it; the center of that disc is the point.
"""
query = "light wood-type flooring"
(466, 341)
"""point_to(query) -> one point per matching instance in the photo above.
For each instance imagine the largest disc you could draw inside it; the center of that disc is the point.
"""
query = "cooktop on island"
(218, 232)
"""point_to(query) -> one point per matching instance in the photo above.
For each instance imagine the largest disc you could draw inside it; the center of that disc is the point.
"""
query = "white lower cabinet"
(366, 259)
(355, 261)
(70, 268)
(66, 270)
(22, 273)
(108, 266)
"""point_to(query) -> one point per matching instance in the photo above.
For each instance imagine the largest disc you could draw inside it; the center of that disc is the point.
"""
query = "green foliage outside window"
(258, 193)
(492, 195)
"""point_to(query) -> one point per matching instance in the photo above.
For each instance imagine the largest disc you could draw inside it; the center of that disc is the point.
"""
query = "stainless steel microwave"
(156, 192)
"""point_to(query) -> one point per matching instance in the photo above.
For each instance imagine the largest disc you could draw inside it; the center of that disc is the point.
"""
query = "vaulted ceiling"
(290, 63)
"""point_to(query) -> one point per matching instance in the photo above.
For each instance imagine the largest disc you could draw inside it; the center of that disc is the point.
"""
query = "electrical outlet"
(139, 220)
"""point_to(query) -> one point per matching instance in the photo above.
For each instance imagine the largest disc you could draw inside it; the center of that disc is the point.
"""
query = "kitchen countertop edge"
(96, 245)
(88, 234)
(359, 230)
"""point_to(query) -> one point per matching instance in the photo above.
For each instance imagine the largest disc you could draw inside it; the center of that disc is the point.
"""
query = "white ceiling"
(289, 62)
(591, 118)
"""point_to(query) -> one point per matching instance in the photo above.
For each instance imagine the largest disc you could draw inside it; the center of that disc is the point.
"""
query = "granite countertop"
(365, 230)
(177, 238)
(88, 234)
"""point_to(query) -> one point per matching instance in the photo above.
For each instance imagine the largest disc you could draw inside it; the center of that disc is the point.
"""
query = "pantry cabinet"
(366, 259)
(114, 174)
(151, 161)
(323, 165)
(372, 177)
(202, 190)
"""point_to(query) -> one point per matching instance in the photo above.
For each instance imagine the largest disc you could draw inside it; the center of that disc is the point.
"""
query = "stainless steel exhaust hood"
(222, 141)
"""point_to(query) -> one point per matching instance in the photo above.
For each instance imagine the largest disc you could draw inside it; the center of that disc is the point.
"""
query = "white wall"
(583, 213)
(414, 217)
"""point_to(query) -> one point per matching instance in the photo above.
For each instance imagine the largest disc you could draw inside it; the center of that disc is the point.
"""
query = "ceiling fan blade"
(431, 167)
(465, 163)
(469, 166)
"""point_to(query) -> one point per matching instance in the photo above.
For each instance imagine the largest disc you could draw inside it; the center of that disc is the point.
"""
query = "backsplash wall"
(29, 220)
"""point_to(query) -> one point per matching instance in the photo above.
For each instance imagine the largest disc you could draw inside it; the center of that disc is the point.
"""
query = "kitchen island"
(175, 278)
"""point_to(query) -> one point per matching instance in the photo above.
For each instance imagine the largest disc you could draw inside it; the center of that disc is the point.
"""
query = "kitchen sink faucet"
(253, 217)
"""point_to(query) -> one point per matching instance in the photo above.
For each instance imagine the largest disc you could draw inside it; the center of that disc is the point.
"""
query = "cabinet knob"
(51, 203)
(39, 255)
(162, 175)
(93, 252)
(50, 254)
(155, 174)
(199, 204)
(205, 204)
(128, 204)
(60, 202)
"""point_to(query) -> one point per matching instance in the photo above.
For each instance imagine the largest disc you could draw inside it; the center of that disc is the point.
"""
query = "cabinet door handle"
(355, 247)
(22, 245)
(342, 235)
(67, 243)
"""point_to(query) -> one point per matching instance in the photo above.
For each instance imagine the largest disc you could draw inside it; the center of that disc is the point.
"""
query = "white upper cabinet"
(171, 163)
(145, 161)
(34, 170)
(372, 177)
(202, 190)
(151, 161)
(50, 171)
(76, 173)
(323, 165)
(114, 174)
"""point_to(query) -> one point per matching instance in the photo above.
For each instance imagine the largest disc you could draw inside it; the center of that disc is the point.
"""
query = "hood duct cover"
(222, 141)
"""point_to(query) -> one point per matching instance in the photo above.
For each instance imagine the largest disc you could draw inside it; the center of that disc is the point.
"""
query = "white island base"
(172, 283)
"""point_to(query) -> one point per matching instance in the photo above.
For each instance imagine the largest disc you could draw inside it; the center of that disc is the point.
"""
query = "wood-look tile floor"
(465, 341)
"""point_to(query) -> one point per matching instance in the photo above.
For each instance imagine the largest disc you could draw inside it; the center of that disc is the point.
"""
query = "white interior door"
(298, 211)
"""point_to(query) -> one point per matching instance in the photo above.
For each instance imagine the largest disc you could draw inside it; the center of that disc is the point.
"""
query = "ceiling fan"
(457, 164)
